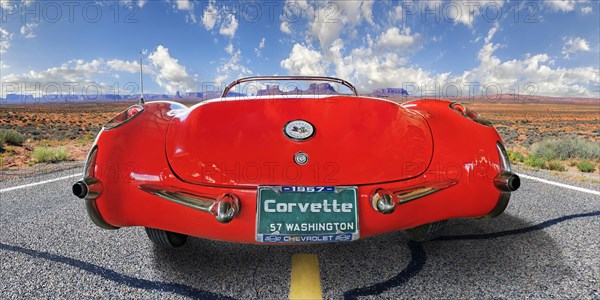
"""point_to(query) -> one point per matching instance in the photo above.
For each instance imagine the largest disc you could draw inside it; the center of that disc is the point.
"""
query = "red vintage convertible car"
(302, 163)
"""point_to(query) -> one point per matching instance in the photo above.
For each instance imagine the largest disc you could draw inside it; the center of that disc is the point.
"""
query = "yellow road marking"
(306, 279)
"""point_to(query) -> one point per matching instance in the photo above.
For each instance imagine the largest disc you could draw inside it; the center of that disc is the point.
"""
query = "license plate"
(303, 214)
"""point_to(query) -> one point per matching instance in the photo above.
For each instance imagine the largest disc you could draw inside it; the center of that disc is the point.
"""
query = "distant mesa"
(193, 95)
(19, 98)
(390, 92)
(313, 89)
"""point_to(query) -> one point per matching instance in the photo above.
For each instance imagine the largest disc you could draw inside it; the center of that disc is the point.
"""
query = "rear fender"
(133, 154)
(463, 150)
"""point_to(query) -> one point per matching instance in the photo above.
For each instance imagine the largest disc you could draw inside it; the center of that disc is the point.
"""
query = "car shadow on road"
(504, 257)
(473, 255)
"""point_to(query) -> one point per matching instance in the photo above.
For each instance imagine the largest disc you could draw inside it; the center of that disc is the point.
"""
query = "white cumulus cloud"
(184, 5)
(210, 15)
(562, 5)
(586, 10)
(5, 4)
(27, 30)
(140, 3)
(304, 61)
(458, 11)
(229, 48)
(261, 45)
(398, 40)
(293, 11)
(372, 66)
(534, 69)
(76, 74)
(328, 21)
(285, 27)
(188, 6)
(573, 45)
(5, 38)
(71, 76)
(172, 76)
(370, 69)
(229, 26)
(232, 68)
(124, 66)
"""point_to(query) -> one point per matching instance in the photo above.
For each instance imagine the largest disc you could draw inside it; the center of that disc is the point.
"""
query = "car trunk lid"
(357, 141)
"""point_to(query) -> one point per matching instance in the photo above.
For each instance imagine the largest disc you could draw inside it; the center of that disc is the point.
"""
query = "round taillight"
(459, 108)
(470, 114)
(132, 111)
(124, 117)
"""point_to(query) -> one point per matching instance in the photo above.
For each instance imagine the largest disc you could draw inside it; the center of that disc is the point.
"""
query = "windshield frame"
(290, 78)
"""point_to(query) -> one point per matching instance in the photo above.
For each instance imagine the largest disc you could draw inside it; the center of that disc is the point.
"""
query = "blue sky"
(439, 48)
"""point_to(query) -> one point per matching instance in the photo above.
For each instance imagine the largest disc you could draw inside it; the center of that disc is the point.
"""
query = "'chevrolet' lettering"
(272, 206)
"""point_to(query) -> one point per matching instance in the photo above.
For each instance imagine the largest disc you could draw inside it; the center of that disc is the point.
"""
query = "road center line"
(39, 183)
(566, 186)
(306, 279)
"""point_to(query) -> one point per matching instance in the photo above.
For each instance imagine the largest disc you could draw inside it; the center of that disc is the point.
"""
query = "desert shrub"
(555, 166)
(565, 148)
(515, 156)
(47, 154)
(586, 166)
(535, 162)
(572, 164)
(2, 141)
(12, 137)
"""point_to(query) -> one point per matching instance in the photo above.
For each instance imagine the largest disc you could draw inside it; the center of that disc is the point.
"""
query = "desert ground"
(75, 125)
(523, 124)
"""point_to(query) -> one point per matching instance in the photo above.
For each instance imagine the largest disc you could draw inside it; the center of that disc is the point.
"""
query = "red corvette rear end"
(293, 169)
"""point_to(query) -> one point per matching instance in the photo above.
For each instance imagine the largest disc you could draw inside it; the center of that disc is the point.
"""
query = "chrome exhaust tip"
(226, 208)
(80, 189)
(383, 201)
(507, 181)
(89, 189)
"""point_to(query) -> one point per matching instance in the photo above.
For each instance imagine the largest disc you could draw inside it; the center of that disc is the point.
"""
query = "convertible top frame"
(303, 78)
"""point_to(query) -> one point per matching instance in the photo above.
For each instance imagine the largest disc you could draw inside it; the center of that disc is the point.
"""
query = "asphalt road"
(547, 244)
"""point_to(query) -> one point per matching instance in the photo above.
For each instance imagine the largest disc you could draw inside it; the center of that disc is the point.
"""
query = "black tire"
(426, 232)
(165, 238)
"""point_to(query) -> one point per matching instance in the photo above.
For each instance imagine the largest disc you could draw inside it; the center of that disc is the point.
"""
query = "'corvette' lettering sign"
(272, 206)
(306, 214)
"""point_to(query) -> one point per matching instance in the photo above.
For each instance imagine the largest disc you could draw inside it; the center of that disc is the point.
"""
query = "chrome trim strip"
(224, 208)
(504, 160)
(200, 202)
(91, 157)
(409, 194)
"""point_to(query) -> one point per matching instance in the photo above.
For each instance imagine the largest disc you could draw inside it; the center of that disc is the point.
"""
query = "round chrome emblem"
(301, 158)
(299, 130)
